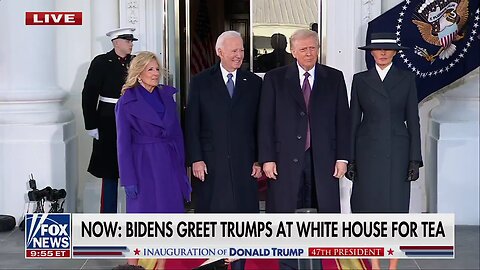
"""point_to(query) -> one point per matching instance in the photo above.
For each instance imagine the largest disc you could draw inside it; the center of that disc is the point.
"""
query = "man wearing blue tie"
(221, 133)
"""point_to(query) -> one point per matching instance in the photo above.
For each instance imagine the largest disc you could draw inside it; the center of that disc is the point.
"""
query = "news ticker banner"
(239, 236)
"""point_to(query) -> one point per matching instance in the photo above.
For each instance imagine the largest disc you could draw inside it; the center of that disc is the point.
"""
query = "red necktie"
(306, 89)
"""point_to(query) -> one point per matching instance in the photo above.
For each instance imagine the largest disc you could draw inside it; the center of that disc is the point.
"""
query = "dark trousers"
(306, 198)
(108, 201)
(307, 194)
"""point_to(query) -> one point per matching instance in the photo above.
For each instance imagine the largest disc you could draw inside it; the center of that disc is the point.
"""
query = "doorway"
(258, 21)
(199, 23)
(202, 21)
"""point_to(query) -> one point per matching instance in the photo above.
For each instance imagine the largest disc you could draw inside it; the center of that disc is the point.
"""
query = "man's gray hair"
(301, 34)
(226, 35)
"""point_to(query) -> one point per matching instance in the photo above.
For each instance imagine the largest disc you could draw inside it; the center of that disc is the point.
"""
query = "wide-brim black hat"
(385, 41)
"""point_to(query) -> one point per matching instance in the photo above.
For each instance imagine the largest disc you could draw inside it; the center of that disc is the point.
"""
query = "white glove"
(93, 133)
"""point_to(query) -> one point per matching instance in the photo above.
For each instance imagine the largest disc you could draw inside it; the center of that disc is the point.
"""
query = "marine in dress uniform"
(104, 81)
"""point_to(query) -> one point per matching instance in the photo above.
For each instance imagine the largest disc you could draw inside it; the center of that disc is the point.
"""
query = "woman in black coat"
(385, 134)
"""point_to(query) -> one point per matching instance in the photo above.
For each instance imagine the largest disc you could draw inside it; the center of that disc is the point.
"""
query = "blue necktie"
(230, 85)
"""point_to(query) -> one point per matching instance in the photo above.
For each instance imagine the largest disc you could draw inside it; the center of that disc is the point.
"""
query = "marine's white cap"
(124, 33)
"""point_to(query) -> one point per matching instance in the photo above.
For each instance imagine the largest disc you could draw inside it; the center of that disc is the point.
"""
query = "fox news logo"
(47, 236)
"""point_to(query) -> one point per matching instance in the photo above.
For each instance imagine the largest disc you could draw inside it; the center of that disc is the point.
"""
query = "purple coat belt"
(174, 153)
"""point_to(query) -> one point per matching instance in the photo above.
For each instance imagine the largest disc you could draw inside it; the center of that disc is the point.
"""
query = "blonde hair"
(301, 34)
(137, 65)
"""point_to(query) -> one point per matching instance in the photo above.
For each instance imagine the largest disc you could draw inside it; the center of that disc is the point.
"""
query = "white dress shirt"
(226, 72)
(301, 73)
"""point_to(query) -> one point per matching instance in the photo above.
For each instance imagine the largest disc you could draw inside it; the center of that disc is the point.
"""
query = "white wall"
(73, 59)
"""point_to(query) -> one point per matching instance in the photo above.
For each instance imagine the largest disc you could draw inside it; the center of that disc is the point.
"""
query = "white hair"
(226, 35)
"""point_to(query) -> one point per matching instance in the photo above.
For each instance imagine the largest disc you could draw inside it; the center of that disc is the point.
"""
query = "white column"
(346, 29)
(37, 134)
(105, 16)
(452, 156)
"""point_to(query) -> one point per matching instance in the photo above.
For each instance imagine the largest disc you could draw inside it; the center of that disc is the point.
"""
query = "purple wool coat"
(151, 152)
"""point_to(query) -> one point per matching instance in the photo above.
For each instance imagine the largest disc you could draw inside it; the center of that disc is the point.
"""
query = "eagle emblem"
(441, 23)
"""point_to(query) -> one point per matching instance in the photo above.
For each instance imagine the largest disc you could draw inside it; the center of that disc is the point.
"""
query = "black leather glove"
(351, 171)
(413, 171)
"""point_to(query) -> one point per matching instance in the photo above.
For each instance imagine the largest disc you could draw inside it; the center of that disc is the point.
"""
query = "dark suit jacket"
(283, 128)
(221, 131)
(385, 137)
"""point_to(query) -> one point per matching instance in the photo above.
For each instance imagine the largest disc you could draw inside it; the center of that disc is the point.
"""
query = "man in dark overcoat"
(221, 132)
(303, 131)
(101, 91)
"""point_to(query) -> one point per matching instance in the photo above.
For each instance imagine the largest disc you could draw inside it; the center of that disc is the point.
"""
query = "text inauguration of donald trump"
(263, 235)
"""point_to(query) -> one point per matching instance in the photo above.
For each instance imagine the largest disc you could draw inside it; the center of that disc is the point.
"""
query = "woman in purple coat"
(150, 142)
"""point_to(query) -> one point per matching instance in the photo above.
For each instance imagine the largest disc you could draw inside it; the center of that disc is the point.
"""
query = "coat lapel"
(374, 81)
(166, 97)
(240, 87)
(293, 85)
(392, 79)
(317, 88)
(218, 84)
(138, 107)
